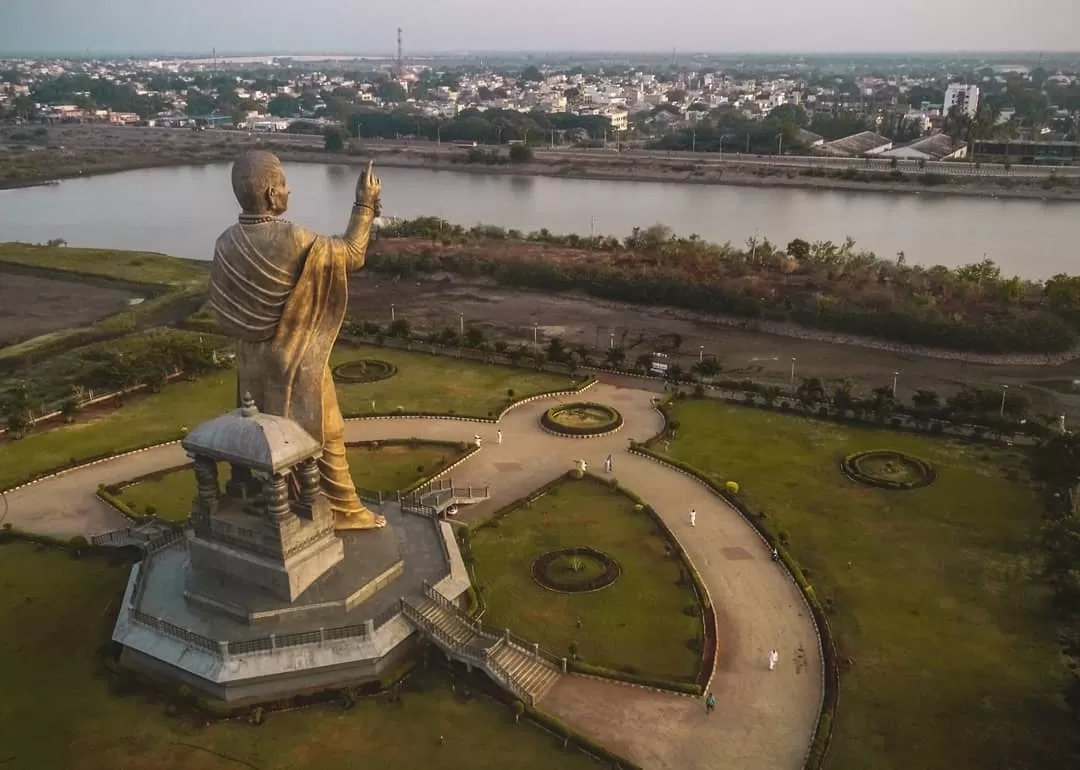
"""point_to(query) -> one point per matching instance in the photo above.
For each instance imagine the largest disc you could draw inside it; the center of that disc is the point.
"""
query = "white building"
(962, 96)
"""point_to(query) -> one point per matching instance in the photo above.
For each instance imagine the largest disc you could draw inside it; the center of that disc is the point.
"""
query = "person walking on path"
(609, 465)
(476, 439)
(774, 658)
(498, 436)
(710, 703)
(693, 517)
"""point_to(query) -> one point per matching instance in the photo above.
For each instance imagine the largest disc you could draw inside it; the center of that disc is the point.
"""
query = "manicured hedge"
(581, 667)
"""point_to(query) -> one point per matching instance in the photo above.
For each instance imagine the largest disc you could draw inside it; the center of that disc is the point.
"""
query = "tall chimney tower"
(400, 55)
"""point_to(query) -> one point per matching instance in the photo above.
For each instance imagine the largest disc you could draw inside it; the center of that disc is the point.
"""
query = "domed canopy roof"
(248, 437)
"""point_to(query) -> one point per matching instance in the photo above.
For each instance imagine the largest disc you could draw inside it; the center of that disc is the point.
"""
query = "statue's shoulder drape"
(282, 293)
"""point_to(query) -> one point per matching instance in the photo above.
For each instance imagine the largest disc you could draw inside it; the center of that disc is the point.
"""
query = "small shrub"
(732, 487)
(257, 716)
(151, 510)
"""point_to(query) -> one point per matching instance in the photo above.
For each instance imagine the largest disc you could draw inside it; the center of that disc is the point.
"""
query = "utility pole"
(894, 376)
(693, 140)
(793, 373)
(1004, 390)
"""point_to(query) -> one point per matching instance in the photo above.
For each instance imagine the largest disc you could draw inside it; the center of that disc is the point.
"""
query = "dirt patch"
(32, 305)
(438, 301)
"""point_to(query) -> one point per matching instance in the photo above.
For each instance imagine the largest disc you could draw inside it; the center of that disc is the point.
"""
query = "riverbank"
(77, 151)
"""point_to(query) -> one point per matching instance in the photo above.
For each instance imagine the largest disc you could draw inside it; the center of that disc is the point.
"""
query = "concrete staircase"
(435, 497)
(535, 675)
(523, 669)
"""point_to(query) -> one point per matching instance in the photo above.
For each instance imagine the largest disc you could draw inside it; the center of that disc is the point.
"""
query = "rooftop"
(857, 144)
(246, 436)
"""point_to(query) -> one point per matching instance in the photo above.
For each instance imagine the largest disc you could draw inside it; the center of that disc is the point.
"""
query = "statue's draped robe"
(281, 292)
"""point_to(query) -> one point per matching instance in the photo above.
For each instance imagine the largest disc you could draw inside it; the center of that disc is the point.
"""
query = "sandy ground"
(32, 305)
(509, 314)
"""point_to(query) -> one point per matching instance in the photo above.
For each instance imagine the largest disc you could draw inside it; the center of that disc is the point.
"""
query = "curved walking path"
(763, 720)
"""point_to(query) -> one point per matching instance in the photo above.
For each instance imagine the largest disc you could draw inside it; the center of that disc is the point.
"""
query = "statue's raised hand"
(369, 189)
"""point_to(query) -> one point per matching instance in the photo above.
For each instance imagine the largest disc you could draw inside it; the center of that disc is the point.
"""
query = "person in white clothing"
(476, 439)
(498, 437)
(774, 658)
(693, 517)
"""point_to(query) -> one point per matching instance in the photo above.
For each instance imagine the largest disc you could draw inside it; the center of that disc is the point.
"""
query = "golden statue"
(281, 291)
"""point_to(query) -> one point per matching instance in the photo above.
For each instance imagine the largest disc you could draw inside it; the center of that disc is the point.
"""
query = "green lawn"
(56, 710)
(636, 625)
(428, 383)
(390, 466)
(423, 383)
(954, 658)
(136, 266)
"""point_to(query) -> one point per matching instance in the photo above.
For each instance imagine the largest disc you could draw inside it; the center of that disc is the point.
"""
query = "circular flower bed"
(581, 419)
(888, 469)
(364, 370)
(575, 570)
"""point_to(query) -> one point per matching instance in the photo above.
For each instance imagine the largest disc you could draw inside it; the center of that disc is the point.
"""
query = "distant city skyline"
(269, 27)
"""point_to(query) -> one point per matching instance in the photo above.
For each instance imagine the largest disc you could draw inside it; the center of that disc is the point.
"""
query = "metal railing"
(532, 648)
(503, 676)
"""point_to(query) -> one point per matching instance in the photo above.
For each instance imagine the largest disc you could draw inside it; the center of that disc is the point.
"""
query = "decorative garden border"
(339, 372)
(550, 423)
(851, 466)
(612, 570)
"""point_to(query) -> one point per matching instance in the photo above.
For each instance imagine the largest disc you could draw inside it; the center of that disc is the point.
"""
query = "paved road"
(764, 720)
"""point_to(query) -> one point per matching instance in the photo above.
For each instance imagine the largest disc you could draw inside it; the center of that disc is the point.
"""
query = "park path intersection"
(764, 719)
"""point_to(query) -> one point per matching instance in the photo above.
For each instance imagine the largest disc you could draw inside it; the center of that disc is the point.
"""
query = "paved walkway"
(763, 720)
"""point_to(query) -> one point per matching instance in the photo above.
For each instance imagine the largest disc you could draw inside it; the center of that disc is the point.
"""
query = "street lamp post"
(536, 326)
(392, 316)
(793, 359)
(894, 376)
(611, 340)
(1004, 390)
(700, 353)
(461, 323)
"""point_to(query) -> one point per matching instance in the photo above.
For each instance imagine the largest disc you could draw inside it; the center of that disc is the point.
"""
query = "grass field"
(134, 266)
(57, 713)
(636, 625)
(428, 383)
(423, 383)
(954, 657)
(388, 467)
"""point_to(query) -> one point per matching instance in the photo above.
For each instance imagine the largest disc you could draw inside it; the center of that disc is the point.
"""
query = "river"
(180, 211)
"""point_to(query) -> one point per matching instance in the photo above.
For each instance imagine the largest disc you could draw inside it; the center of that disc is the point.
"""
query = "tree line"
(823, 285)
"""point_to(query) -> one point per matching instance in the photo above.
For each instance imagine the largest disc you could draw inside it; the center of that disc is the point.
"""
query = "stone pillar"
(223, 650)
(369, 628)
(206, 479)
(308, 475)
(277, 498)
(239, 482)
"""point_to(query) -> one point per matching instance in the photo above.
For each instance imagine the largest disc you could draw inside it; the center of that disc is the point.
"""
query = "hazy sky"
(353, 26)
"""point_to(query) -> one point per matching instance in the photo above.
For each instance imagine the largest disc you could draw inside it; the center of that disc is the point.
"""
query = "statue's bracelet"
(369, 206)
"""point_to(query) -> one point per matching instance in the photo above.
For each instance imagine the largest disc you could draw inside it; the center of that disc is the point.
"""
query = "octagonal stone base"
(229, 642)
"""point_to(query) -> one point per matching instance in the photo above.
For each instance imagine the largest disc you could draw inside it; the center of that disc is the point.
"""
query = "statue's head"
(259, 183)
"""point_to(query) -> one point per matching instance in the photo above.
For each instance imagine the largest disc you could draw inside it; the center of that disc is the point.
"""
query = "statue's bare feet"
(363, 519)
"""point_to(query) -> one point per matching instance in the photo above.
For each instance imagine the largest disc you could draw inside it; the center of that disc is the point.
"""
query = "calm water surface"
(181, 211)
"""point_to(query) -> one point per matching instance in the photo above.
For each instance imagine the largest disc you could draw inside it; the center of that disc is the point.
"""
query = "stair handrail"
(532, 648)
(499, 673)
